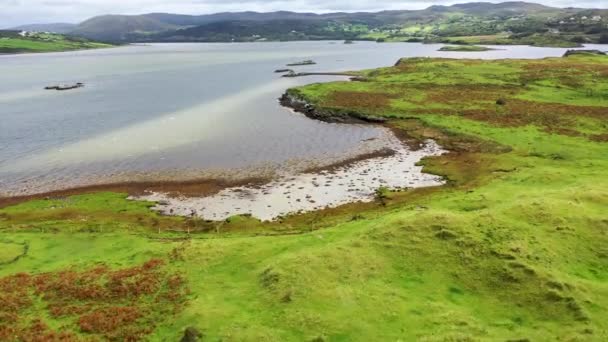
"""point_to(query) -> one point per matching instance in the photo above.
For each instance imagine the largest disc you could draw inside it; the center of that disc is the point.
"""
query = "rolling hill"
(120, 27)
(13, 42)
(52, 27)
(509, 22)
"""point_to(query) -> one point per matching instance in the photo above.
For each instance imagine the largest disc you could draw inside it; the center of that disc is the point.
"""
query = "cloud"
(16, 12)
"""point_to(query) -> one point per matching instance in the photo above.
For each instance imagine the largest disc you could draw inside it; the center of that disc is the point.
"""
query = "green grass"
(11, 251)
(513, 248)
(541, 40)
(44, 42)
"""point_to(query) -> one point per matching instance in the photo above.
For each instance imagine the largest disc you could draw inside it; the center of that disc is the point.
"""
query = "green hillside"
(472, 23)
(120, 27)
(13, 42)
(513, 248)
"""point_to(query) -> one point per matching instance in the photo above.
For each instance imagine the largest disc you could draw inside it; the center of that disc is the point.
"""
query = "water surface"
(177, 111)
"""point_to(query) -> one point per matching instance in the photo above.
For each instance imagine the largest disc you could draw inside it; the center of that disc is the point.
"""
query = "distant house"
(596, 18)
(584, 17)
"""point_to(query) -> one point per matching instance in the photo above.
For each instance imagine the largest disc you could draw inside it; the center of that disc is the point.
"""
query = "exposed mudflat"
(356, 182)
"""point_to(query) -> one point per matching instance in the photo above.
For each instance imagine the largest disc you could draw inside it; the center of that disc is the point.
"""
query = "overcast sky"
(17, 12)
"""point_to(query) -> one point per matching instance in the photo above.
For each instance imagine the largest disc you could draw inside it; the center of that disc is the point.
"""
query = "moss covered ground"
(513, 248)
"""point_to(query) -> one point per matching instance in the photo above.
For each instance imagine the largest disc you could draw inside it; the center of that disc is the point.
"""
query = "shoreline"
(196, 187)
(206, 186)
(358, 180)
(299, 105)
(209, 186)
(61, 51)
(288, 195)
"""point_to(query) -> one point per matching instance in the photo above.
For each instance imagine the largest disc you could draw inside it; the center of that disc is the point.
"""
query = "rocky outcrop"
(306, 62)
(300, 105)
(65, 86)
(292, 73)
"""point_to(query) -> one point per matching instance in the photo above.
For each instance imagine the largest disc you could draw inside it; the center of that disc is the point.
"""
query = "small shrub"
(446, 234)
(382, 195)
(191, 334)
(269, 278)
(357, 217)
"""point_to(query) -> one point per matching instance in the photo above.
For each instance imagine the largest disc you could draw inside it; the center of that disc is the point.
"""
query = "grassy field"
(540, 40)
(514, 248)
(44, 42)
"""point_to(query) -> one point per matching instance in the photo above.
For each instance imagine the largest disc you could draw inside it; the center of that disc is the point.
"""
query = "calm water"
(177, 110)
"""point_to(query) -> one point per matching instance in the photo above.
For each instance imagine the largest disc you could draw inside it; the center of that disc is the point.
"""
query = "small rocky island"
(61, 87)
(584, 52)
(305, 62)
(465, 48)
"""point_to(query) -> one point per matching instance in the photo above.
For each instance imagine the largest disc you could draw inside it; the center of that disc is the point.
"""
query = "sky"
(18, 12)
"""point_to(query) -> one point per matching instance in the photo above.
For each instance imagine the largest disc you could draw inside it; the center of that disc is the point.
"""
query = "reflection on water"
(178, 110)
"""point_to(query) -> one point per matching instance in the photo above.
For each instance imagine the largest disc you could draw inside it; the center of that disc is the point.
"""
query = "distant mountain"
(470, 19)
(191, 20)
(118, 28)
(54, 27)
(136, 27)
(251, 30)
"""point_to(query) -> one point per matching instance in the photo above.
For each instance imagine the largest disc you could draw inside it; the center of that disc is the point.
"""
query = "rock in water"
(65, 86)
(306, 62)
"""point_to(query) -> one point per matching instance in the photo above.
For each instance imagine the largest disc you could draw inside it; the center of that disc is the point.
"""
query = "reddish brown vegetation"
(492, 103)
(600, 137)
(467, 94)
(37, 331)
(360, 100)
(478, 102)
(115, 323)
(567, 72)
(122, 305)
(553, 117)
